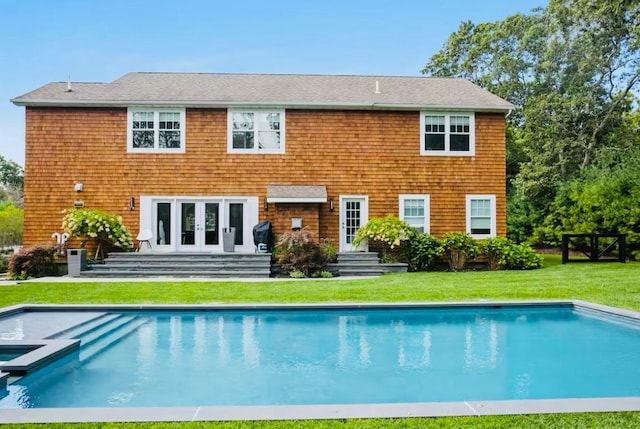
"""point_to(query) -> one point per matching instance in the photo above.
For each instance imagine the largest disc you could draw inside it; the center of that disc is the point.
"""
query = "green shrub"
(459, 248)
(521, 257)
(329, 250)
(35, 261)
(104, 228)
(421, 251)
(296, 274)
(297, 251)
(502, 253)
(326, 274)
(4, 263)
(494, 249)
(389, 231)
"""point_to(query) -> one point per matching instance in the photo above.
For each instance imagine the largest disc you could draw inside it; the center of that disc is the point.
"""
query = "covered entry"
(295, 206)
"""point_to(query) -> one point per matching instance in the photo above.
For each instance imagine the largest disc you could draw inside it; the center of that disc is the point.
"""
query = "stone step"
(358, 272)
(188, 256)
(178, 274)
(172, 265)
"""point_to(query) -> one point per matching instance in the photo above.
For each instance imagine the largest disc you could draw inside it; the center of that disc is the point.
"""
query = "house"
(187, 155)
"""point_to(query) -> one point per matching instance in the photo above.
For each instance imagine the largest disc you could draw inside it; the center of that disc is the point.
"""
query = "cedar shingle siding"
(351, 152)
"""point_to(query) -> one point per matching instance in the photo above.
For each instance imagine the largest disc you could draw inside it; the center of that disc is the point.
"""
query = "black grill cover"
(262, 234)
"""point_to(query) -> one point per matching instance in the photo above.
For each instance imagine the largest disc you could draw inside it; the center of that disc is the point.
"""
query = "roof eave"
(249, 104)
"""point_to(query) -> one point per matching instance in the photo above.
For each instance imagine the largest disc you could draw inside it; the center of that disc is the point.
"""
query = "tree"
(11, 181)
(571, 68)
(11, 222)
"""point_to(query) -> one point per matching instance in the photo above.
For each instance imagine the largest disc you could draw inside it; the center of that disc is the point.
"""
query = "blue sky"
(100, 40)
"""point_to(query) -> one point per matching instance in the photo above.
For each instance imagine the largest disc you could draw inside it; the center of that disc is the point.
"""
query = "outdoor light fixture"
(132, 203)
(331, 207)
(78, 187)
(265, 204)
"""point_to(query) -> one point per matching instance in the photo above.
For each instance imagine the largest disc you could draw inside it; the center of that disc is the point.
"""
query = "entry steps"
(183, 265)
(99, 333)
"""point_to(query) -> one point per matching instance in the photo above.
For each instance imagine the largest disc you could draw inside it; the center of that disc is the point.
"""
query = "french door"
(353, 214)
(198, 225)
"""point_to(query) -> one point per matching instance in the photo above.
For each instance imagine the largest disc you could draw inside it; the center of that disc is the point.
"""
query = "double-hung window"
(481, 216)
(255, 131)
(155, 130)
(414, 210)
(447, 133)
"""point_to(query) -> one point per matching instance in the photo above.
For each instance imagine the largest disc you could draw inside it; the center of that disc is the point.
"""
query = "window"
(155, 130)
(259, 131)
(447, 134)
(414, 210)
(481, 216)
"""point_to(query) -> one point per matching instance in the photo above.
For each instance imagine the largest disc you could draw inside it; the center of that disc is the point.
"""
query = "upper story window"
(414, 210)
(155, 130)
(481, 216)
(447, 133)
(255, 131)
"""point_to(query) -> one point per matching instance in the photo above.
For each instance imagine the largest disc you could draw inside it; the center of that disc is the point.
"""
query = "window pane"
(481, 222)
(142, 139)
(235, 220)
(242, 121)
(433, 124)
(211, 219)
(460, 142)
(414, 208)
(163, 234)
(268, 140)
(480, 208)
(434, 142)
(142, 120)
(169, 139)
(243, 140)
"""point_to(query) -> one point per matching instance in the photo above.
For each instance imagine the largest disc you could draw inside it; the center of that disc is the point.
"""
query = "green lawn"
(606, 283)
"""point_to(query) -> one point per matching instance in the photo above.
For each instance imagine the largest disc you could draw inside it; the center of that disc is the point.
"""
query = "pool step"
(96, 343)
(83, 328)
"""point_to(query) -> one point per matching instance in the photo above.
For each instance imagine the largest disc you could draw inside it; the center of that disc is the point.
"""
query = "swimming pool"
(312, 355)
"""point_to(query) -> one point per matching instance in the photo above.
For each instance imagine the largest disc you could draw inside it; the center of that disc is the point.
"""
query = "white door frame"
(198, 228)
(364, 217)
(148, 220)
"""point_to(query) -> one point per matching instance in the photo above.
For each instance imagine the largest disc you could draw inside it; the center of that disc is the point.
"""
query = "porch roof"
(296, 194)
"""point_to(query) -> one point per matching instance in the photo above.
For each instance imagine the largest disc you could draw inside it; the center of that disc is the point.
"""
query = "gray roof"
(286, 90)
(296, 194)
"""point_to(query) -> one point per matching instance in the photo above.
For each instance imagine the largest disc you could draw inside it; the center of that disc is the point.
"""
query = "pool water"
(312, 356)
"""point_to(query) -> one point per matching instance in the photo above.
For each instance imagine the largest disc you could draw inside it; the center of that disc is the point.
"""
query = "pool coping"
(330, 411)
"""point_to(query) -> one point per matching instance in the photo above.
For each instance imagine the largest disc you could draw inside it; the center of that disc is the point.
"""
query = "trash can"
(228, 239)
(76, 261)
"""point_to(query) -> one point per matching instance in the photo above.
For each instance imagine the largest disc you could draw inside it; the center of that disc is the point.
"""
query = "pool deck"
(304, 412)
(329, 411)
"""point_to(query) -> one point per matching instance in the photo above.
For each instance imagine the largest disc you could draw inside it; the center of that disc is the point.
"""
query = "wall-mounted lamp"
(78, 187)
(265, 204)
(331, 207)
(132, 203)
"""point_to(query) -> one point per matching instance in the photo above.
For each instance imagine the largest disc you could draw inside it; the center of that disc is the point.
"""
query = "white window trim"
(492, 199)
(156, 111)
(447, 117)
(427, 211)
(255, 150)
